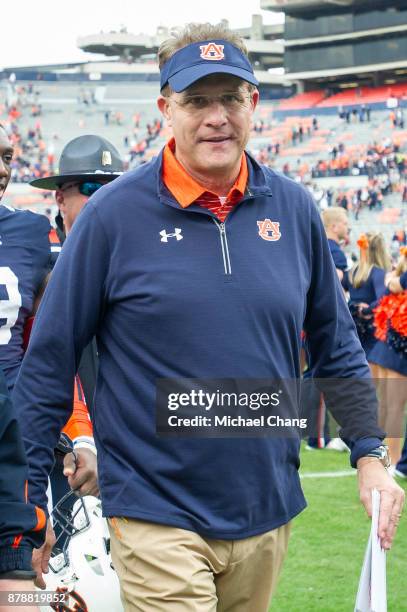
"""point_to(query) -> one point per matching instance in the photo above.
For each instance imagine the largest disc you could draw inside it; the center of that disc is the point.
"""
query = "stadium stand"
(302, 100)
(364, 95)
(300, 146)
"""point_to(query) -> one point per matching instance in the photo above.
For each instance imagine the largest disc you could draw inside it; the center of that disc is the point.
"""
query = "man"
(336, 224)
(22, 525)
(24, 265)
(25, 262)
(86, 164)
(201, 264)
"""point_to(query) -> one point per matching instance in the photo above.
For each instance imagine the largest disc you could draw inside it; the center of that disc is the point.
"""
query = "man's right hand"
(41, 557)
(373, 475)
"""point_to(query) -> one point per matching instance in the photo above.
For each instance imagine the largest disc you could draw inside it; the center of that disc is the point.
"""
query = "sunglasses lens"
(88, 189)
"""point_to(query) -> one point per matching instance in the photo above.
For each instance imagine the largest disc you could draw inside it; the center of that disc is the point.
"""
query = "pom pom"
(390, 321)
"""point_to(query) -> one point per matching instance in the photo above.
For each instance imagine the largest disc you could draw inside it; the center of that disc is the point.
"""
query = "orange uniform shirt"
(79, 423)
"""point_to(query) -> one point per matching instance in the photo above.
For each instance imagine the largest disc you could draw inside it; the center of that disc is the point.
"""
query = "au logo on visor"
(212, 51)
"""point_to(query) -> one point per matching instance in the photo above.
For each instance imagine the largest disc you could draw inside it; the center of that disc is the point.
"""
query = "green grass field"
(327, 545)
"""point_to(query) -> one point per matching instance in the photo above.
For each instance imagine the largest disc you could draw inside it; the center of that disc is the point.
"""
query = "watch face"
(385, 457)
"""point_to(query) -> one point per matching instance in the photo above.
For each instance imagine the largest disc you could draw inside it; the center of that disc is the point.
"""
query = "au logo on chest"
(269, 230)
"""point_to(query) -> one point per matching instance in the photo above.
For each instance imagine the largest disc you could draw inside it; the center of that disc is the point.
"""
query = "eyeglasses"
(231, 101)
(86, 189)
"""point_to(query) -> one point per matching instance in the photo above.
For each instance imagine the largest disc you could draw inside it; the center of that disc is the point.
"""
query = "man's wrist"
(380, 454)
(84, 442)
(364, 460)
(362, 447)
(16, 559)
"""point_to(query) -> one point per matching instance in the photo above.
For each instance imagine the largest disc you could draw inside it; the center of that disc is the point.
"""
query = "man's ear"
(255, 98)
(59, 199)
(164, 108)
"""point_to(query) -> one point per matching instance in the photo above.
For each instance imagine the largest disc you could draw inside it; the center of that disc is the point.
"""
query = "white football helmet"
(82, 566)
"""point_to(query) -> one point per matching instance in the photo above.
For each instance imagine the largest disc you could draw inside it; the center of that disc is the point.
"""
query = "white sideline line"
(338, 474)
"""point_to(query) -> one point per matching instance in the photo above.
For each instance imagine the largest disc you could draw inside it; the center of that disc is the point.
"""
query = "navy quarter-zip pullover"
(171, 292)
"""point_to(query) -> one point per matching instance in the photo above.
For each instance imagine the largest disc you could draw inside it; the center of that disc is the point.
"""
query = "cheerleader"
(396, 282)
(389, 355)
(366, 287)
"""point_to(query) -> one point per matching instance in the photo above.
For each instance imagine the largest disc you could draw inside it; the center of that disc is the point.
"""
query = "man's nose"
(216, 113)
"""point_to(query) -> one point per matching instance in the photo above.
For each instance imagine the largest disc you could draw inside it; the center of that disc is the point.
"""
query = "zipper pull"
(222, 228)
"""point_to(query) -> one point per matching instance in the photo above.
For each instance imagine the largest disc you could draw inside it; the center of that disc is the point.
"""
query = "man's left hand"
(42, 555)
(82, 473)
(373, 475)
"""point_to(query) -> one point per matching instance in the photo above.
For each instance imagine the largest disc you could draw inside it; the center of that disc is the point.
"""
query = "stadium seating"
(364, 95)
(349, 97)
(303, 100)
(65, 117)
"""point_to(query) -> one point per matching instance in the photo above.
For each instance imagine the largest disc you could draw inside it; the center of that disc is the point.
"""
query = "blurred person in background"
(336, 224)
(391, 367)
(86, 164)
(366, 287)
(397, 284)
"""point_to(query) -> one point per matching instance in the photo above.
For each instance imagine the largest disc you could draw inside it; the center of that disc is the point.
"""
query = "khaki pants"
(166, 569)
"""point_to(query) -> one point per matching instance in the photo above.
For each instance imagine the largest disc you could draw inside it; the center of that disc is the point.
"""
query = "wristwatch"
(382, 453)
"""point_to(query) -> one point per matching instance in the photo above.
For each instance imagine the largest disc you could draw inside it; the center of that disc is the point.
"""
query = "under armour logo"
(269, 230)
(212, 51)
(176, 234)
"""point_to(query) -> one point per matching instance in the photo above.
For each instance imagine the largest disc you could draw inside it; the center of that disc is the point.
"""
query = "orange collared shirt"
(186, 190)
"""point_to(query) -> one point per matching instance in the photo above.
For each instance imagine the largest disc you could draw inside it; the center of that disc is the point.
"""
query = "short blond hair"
(332, 215)
(193, 33)
(197, 32)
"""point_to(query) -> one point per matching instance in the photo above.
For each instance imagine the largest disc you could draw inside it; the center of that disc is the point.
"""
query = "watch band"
(382, 453)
